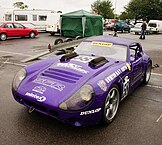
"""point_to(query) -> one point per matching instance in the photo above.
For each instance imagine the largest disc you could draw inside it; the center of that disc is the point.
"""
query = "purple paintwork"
(50, 82)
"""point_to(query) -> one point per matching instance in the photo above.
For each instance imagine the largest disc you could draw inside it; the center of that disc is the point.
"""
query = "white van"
(53, 23)
(155, 26)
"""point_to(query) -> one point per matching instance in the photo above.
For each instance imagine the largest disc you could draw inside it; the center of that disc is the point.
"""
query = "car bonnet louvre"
(62, 75)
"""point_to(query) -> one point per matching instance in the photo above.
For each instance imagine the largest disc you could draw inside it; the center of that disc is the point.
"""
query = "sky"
(62, 5)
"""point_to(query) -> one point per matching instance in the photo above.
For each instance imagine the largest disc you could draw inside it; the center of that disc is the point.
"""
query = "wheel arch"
(4, 33)
(31, 32)
(120, 89)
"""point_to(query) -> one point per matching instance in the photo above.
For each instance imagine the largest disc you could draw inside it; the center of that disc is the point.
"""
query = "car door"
(20, 29)
(9, 29)
(136, 60)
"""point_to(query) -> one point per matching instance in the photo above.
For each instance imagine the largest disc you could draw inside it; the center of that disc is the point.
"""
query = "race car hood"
(60, 80)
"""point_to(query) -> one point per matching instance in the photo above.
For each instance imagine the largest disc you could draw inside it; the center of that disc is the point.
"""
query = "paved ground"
(138, 122)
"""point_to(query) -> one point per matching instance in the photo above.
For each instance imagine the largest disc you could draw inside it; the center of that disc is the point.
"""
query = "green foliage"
(144, 9)
(103, 8)
(124, 16)
(20, 5)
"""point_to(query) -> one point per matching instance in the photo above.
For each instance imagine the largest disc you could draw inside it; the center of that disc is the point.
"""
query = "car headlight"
(79, 100)
(19, 77)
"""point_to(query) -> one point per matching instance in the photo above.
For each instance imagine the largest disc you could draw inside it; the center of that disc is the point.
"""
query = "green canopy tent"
(81, 23)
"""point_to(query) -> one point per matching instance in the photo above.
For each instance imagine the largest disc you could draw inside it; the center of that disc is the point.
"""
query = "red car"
(12, 29)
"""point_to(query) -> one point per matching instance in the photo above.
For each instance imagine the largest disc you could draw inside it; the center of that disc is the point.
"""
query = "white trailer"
(34, 18)
(53, 23)
(155, 26)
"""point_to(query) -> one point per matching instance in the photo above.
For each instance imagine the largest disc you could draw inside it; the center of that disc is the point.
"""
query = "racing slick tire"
(3, 36)
(58, 41)
(111, 105)
(147, 74)
(32, 34)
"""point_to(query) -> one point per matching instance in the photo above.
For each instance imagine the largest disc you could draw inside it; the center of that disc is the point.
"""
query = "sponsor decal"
(102, 85)
(90, 112)
(35, 96)
(128, 66)
(39, 89)
(115, 74)
(73, 66)
(49, 83)
(125, 86)
(83, 59)
(104, 44)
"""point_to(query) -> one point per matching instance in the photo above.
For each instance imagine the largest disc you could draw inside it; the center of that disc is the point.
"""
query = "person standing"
(143, 30)
(116, 28)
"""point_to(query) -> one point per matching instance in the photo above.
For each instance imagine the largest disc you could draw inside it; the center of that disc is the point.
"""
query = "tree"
(124, 16)
(144, 9)
(20, 5)
(103, 8)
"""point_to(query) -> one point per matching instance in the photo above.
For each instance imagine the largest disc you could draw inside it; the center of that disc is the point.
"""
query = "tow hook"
(31, 109)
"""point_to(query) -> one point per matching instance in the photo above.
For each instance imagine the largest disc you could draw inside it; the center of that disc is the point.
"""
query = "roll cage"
(134, 52)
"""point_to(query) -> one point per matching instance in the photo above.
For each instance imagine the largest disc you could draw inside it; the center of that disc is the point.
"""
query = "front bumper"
(85, 117)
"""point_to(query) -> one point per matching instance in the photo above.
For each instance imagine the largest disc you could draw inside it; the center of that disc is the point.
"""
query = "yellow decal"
(128, 66)
(102, 44)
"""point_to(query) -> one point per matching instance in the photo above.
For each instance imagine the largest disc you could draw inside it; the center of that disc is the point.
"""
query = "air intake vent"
(97, 62)
(61, 75)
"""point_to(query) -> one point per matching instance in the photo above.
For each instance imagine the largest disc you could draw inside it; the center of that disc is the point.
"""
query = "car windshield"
(152, 24)
(138, 25)
(104, 49)
(1, 24)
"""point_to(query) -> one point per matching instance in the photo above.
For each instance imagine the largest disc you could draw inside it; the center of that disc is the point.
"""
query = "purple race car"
(84, 87)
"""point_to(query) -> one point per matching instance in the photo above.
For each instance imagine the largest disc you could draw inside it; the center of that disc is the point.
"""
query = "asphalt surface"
(138, 121)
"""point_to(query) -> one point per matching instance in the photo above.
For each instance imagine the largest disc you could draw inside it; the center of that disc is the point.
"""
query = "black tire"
(111, 105)
(52, 33)
(58, 41)
(147, 74)
(32, 34)
(78, 37)
(3, 36)
(68, 40)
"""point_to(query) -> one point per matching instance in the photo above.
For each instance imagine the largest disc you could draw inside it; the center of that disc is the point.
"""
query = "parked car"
(84, 87)
(109, 26)
(155, 26)
(137, 29)
(122, 26)
(12, 29)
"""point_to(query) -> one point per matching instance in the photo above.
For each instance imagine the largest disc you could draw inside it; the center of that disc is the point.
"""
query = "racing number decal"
(83, 59)
(125, 86)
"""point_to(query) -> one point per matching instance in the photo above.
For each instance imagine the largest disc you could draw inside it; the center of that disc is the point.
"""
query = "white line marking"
(159, 118)
(156, 74)
(15, 53)
(16, 64)
(153, 86)
(4, 62)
